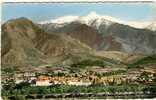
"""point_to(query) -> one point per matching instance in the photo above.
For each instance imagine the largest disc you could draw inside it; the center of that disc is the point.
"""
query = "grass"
(111, 73)
(26, 90)
(149, 60)
(88, 62)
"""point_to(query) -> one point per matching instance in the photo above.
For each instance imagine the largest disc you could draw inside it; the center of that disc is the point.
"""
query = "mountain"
(96, 19)
(132, 40)
(18, 36)
(75, 46)
(109, 33)
(83, 33)
(24, 43)
(27, 47)
(88, 20)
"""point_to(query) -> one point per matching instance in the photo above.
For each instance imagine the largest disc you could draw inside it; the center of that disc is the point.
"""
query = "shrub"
(88, 62)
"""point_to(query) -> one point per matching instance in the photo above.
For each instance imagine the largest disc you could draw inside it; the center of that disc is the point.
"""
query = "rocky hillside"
(24, 43)
(83, 33)
(111, 37)
(18, 38)
(131, 40)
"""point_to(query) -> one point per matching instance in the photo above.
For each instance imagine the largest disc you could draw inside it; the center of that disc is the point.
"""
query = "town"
(78, 79)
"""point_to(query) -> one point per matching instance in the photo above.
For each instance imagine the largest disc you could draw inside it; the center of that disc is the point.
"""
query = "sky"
(42, 11)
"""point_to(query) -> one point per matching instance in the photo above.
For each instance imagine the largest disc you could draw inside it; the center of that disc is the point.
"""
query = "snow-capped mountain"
(106, 32)
(152, 26)
(95, 20)
(138, 24)
(92, 19)
(61, 20)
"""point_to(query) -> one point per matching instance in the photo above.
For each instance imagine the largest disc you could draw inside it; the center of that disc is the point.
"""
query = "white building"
(43, 83)
(79, 83)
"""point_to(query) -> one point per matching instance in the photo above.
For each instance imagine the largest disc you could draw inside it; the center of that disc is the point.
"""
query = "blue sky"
(40, 12)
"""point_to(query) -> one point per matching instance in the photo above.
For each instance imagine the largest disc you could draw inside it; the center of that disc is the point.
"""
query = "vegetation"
(8, 68)
(89, 62)
(152, 89)
(26, 90)
(111, 73)
(144, 61)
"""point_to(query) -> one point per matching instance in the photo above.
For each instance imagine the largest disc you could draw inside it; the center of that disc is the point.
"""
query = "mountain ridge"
(113, 36)
(87, 19)
(24, 42)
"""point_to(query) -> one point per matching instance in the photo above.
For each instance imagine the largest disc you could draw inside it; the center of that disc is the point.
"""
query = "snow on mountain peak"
(94, 16)
(91, 15)
(138, 24)
(97, 19)
(152, 26)
(84, 19)
(65, 19)
(62, 20)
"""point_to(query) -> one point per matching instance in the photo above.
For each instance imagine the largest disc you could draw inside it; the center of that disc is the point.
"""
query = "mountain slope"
(24, 43)
(109, 34)
(25, 46)
(145, 62)
(97, 20)
(17, 41)
(133, 40)
(83, 33)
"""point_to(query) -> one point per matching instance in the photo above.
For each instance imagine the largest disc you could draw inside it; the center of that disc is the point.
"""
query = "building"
(79, 83)
(42, 81)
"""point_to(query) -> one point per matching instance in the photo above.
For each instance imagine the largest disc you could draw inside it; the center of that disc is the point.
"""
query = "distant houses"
(79, 83)
(43, 79)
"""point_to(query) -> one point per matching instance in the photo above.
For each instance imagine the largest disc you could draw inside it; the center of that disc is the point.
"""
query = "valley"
(76, 58)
